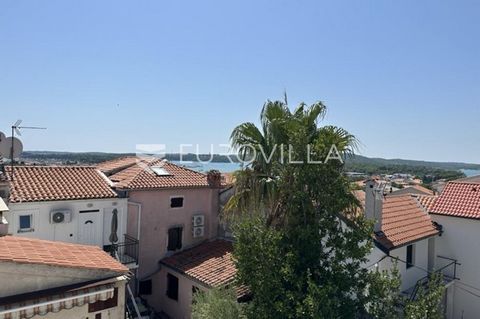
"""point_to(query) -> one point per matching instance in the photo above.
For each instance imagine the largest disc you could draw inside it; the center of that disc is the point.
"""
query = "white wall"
(68, 232)
(408, 276)
(461, 240)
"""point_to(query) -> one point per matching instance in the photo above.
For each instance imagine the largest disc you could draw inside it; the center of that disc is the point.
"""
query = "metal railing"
(442, 271)
(126, 252)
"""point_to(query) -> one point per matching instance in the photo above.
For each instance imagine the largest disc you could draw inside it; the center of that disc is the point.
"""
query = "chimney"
(374, 203)
(214, 179)
(3, 221)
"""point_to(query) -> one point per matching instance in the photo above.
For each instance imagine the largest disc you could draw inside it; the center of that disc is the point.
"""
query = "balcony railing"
(126, 252)
(448, 272)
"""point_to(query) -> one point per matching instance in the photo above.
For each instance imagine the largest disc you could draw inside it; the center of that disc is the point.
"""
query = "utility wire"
(473, 294)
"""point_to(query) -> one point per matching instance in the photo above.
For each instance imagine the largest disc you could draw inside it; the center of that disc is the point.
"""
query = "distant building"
(55, 280)
(414, 190)
(170, 209)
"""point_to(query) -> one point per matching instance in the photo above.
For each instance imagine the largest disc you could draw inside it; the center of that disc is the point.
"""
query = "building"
(56, 280)
(404, 235)
(413, 189)
(457, 210)
(74, 204)
(170, 209)
(208, 265)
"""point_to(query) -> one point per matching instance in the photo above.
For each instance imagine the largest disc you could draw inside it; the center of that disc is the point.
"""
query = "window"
(172, 287)
(145, 287)
(176, 202)
(410, 255)
(174, 238)
(160, 171)
(25, 223)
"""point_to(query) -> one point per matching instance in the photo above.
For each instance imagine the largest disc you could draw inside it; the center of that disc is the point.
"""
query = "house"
(403, 234)
(56, 280)
(457, 210)
(170, 209)
(413, 189)
(208, 265)
(74, 204)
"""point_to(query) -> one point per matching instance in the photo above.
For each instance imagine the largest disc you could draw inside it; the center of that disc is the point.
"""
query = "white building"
(74, 204)
(457, 211)
(55, 280)
(404, 234)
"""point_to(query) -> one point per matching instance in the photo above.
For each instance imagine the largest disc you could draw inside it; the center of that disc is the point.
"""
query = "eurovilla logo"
(245, 154)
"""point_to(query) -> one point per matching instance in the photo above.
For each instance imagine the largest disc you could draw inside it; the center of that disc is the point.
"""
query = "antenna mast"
(16, 129)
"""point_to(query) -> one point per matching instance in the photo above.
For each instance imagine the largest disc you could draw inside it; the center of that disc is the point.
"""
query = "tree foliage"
(293, 250)
(216, 303)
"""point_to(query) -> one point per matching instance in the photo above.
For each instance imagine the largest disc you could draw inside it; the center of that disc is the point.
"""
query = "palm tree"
(257, 184)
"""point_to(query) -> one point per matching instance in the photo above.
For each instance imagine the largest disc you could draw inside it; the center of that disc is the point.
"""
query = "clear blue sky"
(403, 76)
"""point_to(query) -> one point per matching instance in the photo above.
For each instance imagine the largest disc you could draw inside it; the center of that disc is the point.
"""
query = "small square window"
(172, 287)
(25, 222)
(176, 202)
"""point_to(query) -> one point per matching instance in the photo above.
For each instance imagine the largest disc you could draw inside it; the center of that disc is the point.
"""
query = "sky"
(403, 76)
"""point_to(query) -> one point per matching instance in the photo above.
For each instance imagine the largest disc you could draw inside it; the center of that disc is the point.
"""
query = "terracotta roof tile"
(141, 176)
(404, 221)
(48, 183)
(426, 201)
(210, 263)
(459, 199)
(35, 251)
(115, 165)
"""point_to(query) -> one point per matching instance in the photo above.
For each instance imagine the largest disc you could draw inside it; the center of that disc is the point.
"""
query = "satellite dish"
(17, 147)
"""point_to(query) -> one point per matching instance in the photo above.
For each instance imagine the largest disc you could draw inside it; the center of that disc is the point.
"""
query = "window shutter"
(179, 238)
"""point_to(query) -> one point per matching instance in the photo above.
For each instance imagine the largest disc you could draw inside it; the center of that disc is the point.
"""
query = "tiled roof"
(426, 201)
(403, 221)
(413, 189)
(141, 176)
(35, 251)
(210, 263)
(115, 165)
(459, 199)
(47, 183)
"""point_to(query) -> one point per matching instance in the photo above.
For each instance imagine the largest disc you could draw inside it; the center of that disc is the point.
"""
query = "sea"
(231, 167)
(204, 167)
(471, 172)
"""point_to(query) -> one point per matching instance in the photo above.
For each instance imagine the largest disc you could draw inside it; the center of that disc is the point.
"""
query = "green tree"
(428, 303)
(216, 303)
(294, 250)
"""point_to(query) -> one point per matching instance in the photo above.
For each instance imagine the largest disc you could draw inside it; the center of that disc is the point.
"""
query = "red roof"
(459, 199)
(209, 263)
(118, 164)
(35, 251)
(48, 183)
(426, 201)
(404, 221)
(140, 175)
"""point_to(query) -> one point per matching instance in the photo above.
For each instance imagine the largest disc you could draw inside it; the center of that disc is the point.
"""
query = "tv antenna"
(16, 146)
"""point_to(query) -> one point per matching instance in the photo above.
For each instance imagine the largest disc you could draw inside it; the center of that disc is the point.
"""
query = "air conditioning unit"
(198, 220)
(60, 216)
(198, 231)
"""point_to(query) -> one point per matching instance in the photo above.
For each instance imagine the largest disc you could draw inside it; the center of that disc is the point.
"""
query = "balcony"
(125, 252)
(448, 271)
